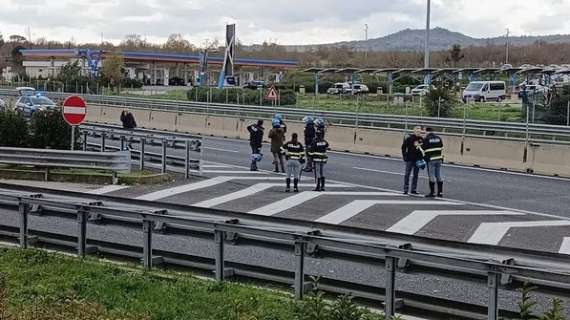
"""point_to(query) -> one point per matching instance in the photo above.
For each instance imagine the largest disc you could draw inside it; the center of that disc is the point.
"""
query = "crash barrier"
(143, 137)
(399, 254)
(50, 159)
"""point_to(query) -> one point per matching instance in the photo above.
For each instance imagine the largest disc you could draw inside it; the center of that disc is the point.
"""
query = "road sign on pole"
(74, 112)
(271, 94)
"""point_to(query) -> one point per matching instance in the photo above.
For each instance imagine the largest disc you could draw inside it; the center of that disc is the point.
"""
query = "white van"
(482, 91)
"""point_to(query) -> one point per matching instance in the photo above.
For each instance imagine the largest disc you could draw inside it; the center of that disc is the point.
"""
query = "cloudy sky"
(281, 21)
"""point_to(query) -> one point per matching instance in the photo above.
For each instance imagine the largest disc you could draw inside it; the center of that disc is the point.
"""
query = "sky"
(279, 21)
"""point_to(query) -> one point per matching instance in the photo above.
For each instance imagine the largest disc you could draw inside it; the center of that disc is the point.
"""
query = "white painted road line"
(221, 149)
(256, 188)
(165, 193)
(565, 247)
(418, 219)
(293, 201)
(493, 233)
(386, 172)
(350, 210)
(107, 189)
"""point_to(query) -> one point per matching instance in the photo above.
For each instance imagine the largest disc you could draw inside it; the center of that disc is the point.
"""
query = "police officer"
(309, 139)
(433, 151)
(256, 142)
(282, 124)
(318, 152)
(294, 153)
(411, 152)
(320, 124)
(277, 137)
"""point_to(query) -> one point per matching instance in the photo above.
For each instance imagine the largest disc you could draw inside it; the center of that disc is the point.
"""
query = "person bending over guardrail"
(129, 123)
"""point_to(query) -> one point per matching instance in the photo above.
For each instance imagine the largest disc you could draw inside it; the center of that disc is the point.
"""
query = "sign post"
(74, 112)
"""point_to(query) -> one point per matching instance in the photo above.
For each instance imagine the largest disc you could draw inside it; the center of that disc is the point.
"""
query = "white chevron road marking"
(565, 247)
(493, 233)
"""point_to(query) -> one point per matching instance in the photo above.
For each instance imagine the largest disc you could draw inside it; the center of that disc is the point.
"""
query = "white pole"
(507, 45)
(426, 56)
(568, 115)
(72, 138)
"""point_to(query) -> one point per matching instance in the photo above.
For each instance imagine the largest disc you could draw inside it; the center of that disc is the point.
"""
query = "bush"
(558, 111)
(14, 130)
(439, 102)
(238, 96)
(48, 130)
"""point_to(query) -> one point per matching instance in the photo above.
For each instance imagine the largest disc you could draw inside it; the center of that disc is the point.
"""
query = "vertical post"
(438, 107)
(122, 142)
(493, 305)
(527, 135)
(147, 245)
(568, 115)
(23, 210)
(103, 147)
(219, 236)
(72, 138)
(187, 159)
(84, 140)
(164, 145)
(299, 269)
(81, 231)
(141, 159)
(390, 303)
(426, 45)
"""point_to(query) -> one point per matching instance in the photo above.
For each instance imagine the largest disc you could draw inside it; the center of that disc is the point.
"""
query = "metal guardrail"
(443, 259)
(48, 158)
(464, 127)
(142, 138)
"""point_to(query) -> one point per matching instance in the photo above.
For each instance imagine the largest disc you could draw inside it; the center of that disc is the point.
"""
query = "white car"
(360, 89)
(482, 91)
(421, 90)
(340, 88)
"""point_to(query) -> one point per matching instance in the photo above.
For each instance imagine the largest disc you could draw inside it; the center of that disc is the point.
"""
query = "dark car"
(255, 84)
(28, 105)
(176, 81)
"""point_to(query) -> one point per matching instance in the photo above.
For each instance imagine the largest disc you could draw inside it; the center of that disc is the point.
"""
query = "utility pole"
(366, 44)
(507, 47)
(426, 57)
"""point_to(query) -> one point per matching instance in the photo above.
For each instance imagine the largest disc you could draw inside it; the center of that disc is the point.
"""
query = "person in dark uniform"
(433, 154)
(277, 137)
(411, 152)
(256, 142)
(129, 123)
(318, 152)
(309, 139)
(294, 152)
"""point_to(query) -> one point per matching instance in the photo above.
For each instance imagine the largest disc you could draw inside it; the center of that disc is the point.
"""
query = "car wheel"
(482, 99)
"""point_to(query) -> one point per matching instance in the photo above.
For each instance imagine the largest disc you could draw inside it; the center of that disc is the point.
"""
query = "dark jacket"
(277, 137)
(128, 120)
(433, 147)
(255, 135)
(294, 151)
(411, 152)
(318, 151)
(309, 134)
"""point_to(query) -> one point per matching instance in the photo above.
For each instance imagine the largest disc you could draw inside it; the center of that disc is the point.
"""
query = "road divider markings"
(256, 188)
(107, 189)
(385, 172)
(565, 247)
(296, 200)
(418, 219)
(350, 210)
(493, 233)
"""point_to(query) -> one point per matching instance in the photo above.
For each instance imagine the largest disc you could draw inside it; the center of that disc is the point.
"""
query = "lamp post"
(428, 17)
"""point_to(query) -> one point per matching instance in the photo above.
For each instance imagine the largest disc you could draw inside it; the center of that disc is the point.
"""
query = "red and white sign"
(74, 110)
(271, 94)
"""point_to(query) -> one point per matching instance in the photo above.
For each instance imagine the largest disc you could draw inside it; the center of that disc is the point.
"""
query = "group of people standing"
(291, 157)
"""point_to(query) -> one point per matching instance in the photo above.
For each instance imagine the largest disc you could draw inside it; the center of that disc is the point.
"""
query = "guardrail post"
(147, 245)
(219, 237)
(390, 303)
(103, 142)
(82, 215)
(164, 145)
(299, 284)
(84, 140)
(187, 159)
(141, 159)
(23, 210)
(493, 305)
(122, 142)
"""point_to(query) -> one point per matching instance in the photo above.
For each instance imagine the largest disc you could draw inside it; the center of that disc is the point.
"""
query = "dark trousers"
(254, 150)
(411, 166)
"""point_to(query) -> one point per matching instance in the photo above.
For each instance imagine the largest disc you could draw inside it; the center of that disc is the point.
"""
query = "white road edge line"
(107, 189)
(565, 247)
(493, 233)
(386, 172)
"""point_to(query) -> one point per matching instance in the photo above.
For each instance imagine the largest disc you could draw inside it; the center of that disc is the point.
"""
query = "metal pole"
(219, 236)
(72, 138)
(164, 145)
(438, 107)
(81, 232)
(507, 47)
(390, 303)
(187, 160)
(426, 53)
(141, 159)
(122, 142)
(84, 140)
(103, 142)
(23, 209)
(568, 115)
(493, 306)
(147, 245)
(299, 269)
(527, 136)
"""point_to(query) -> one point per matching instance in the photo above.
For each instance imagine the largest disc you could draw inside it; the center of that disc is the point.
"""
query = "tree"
(17, 38)
(177, 43)
(71, 71)
(456, 54)
(50, 131)
(1, 40)
(439, 102)
(112, 71)
(13, 129)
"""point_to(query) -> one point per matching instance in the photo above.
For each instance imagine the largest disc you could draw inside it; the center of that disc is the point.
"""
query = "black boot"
(295, 185)
(253, 166)
(322, 184)
(318, 187)
(431, 190)
(440, 189)
(276, 167)
(288, 182)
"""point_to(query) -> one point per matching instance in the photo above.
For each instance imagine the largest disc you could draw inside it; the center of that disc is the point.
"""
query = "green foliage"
(345, 309)
(555, 312)
(49, 130)
(13, 129)
(439, 102)
(527, 303)
(238, 96)
(558, 111)
(112, 71)
(71, 71)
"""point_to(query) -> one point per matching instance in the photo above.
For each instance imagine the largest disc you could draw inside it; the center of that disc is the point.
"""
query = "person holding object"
(318, 153)
(255, 142)
(277, 137)
(309, 139)
(433, 150)
(412, 153)
(294, 153)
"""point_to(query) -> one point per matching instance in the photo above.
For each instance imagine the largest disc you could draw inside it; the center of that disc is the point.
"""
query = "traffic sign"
(271, 93)
(74, 110)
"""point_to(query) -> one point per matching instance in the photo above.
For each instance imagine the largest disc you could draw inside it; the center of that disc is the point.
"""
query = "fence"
(397, 253)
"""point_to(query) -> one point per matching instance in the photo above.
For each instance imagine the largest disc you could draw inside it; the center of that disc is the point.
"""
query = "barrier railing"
(442, 258)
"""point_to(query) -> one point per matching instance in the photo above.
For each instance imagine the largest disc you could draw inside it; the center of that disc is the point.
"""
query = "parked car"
(359, 88)
(483, 91)
(28, 105)
(530, 88)
(421, 90)
(340, 88)
(255, 84)
(176, 81)
(2, 105)
(26, 91)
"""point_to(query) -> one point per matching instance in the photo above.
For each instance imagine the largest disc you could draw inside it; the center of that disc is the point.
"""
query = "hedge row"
(240, 96)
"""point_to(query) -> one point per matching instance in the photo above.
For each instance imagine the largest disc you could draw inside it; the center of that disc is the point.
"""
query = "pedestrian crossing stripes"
(565, 247)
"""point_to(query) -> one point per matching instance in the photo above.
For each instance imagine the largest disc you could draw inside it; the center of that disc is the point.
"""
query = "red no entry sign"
(74, 110)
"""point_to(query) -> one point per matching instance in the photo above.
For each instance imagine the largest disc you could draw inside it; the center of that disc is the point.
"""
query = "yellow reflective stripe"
(434, 149)
(436, 158)
(317, 153)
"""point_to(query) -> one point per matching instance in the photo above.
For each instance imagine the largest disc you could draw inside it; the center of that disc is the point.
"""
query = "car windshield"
(474, 87)
(41, 100)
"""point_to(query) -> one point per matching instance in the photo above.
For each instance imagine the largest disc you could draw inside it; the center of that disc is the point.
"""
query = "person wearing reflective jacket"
(433, 154)
(318, 153)
(294, 153)
(309, 138)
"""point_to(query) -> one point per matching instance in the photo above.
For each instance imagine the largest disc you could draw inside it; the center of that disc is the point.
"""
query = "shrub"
(231, 95)
(13, 129)
(49, 130)
(439, 102)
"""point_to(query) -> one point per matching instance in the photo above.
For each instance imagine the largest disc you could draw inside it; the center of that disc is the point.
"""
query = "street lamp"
(426, 56)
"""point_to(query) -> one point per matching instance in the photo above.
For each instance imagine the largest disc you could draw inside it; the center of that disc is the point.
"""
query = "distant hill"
(440, 39)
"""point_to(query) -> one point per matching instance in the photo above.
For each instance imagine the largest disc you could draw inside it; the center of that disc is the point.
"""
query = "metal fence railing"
(392, 254)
